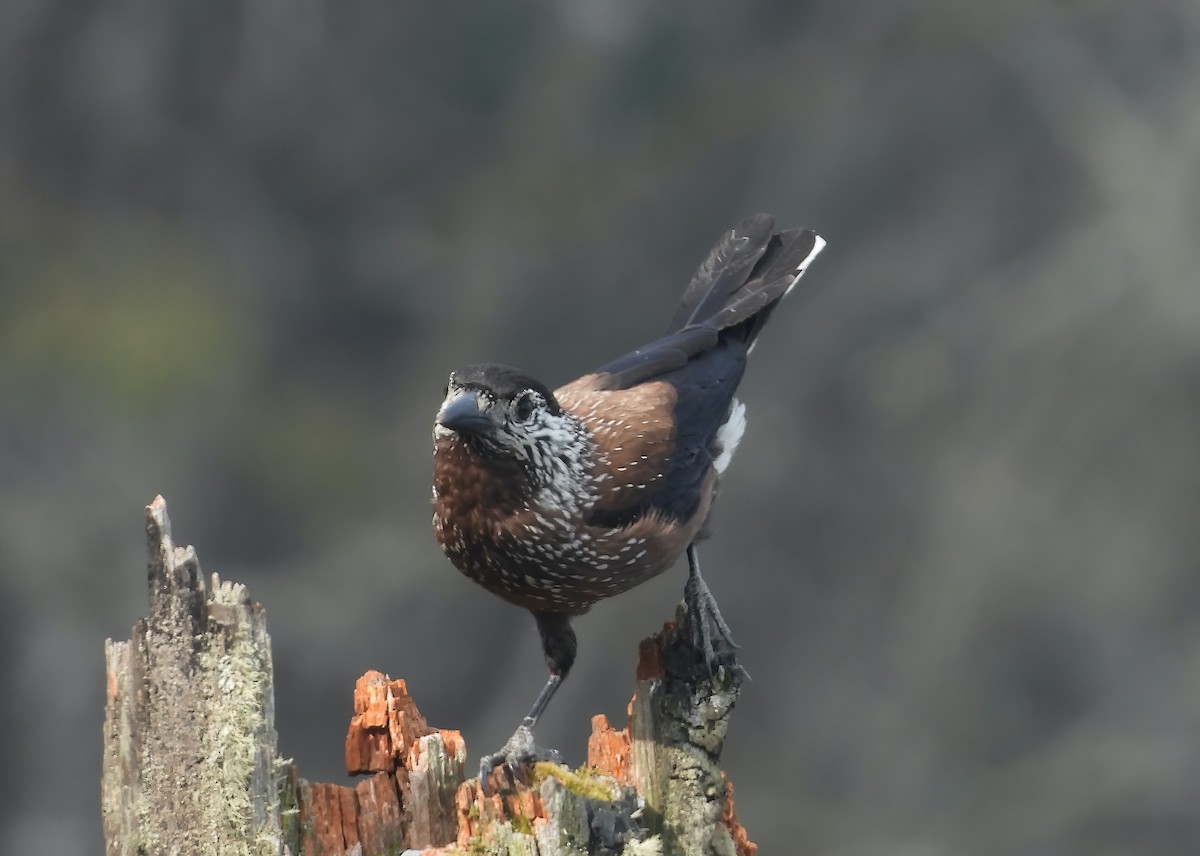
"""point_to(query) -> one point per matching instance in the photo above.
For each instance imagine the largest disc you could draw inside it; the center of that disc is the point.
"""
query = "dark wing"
(704, 391)
(686, 379)
(657, 437)
(655, 359)
(730, 298)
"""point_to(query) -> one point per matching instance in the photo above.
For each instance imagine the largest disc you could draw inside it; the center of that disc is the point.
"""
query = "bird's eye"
(523, 407)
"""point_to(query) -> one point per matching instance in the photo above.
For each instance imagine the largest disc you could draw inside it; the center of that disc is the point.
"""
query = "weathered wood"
(190, 758)
(670, 748)
(680, 716)
(191, 764)
(655, 786)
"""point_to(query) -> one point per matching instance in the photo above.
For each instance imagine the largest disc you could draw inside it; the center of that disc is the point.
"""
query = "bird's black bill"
(462, 413)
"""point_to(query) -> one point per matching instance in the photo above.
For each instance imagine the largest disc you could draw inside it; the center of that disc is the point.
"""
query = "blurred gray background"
(242, 244)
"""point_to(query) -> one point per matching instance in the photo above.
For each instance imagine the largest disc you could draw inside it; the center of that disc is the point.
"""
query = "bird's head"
(500, 411)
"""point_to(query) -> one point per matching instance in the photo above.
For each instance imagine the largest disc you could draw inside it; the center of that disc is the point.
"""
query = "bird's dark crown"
(503, 382)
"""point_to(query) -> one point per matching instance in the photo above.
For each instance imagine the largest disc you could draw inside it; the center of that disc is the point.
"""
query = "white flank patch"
(730, 434)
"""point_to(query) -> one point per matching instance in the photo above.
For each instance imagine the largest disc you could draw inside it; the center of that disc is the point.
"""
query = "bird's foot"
(709, 633)
(514, 756)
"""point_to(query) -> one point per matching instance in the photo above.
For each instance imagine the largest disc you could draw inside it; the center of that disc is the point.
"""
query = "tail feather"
(724, 271)
(729, 299)
(776, 274)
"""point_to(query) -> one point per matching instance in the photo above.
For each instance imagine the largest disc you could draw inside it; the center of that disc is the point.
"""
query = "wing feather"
(656, 411)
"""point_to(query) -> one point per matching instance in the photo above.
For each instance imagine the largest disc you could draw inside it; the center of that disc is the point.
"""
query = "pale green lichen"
(498, 839)
(652, 846)
(586, 781)
(236, 663)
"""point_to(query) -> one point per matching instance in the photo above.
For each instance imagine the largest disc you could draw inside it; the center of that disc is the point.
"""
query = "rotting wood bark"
(191, 762)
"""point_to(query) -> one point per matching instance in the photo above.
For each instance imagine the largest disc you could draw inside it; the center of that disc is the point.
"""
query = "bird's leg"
(704, 618)
(558, 644)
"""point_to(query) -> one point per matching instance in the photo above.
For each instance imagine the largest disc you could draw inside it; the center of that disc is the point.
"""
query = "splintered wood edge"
(190, 745)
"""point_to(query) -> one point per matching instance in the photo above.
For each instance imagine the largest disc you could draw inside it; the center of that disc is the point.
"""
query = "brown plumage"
(486, 525)
(557, 500)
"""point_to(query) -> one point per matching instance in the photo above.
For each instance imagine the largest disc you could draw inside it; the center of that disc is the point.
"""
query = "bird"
(555, 500)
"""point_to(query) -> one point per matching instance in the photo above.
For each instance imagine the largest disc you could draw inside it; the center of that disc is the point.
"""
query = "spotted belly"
(547, 570)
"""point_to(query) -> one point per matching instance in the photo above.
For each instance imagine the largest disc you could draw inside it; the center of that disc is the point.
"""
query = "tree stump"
(190, 757)
(192, 766)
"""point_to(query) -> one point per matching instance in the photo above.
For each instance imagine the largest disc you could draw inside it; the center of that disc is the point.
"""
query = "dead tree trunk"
(191, 763)
(190, 758)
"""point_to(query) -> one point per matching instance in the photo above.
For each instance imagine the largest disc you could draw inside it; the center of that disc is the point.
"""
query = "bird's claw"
(515, 756)
(709, 632)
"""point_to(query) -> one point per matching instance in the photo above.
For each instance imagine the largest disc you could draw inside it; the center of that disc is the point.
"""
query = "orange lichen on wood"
(321, 818)
(414, 799)
(453, 740)
(376, 815)
(508, 800)
(380, 823)
(336, 819)
(434, 772)
(649, 665)
(610, 750)
(470, 823)
(741, 842)
(384, 727)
